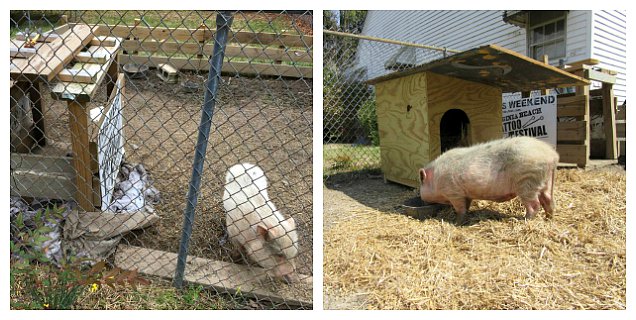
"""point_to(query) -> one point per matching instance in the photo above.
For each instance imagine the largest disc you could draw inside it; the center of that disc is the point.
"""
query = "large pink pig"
(498, 170)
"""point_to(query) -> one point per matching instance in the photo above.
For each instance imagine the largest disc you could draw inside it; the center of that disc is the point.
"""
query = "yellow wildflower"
(94, 287)
(46, 305)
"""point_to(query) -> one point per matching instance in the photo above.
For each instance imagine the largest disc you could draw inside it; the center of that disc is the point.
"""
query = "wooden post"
(37, 110)
(200, 62)
(609, 117)
(585, 91)
(112, 74)
(81, 154)
(132, 36)
(545, 92)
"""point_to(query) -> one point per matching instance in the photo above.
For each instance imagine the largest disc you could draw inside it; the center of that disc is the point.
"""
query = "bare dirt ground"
(267, 122)
(375, 257)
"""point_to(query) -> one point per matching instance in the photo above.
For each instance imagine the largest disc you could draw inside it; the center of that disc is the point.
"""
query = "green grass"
(170, 19)
(339, 158)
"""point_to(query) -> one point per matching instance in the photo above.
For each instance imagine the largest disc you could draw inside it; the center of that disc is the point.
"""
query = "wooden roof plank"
(498, 67)
(51, 57)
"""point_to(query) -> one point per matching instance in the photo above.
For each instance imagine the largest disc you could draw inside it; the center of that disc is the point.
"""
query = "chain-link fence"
(109, 118)
(350, 136)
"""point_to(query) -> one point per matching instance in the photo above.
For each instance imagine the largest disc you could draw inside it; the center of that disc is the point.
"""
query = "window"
(546, 35)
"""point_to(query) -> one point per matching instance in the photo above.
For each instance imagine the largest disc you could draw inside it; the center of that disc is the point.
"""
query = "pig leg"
(532, 205)
(460, 205)
(546, 196)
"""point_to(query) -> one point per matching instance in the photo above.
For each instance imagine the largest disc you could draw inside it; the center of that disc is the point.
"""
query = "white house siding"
(590, 34)
(609, 39)
(453, 29)
(578, 35)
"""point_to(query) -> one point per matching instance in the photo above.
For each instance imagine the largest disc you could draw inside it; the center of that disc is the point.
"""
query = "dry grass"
(496, 261)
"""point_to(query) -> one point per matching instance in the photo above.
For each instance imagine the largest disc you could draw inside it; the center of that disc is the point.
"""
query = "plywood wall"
(410, 136)
(403, 130)
(481, 103)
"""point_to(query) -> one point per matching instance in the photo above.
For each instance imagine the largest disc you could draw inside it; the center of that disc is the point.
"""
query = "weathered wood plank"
(228, 67)
(80, 92)
(81, 155)
(566, 101)
(578, 65)
(95, 54)
(44, 37)
(81, 73)
(52, 57)
(231, 50)
(104, 41)
(620, 129)
(222, 276)
(609, 118)
(42, 176)
(18, 50)
(571, 131)
(599, 76)
(36, 162)
(577, 154)
(203, 34)
(571, 111)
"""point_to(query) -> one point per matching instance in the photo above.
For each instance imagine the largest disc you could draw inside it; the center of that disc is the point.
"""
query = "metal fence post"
(223, 24)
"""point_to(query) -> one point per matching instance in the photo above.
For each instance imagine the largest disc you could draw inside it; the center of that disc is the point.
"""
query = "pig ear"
(263, 232)
(426, 174)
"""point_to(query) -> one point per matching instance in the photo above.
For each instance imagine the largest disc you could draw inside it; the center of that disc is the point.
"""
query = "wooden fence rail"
(249, 53)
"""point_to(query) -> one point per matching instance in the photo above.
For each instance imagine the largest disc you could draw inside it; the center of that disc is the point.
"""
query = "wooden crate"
(575, 111)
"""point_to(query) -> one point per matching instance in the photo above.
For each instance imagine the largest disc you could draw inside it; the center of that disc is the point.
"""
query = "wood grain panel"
(573, 154)
(571, 131)
(403, 130)
(481, 103)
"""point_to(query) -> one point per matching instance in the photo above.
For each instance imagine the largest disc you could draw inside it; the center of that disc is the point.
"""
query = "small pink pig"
(255, 225)
(498, 170)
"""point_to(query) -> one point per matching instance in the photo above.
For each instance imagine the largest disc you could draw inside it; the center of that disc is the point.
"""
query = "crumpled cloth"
(134, 190)
(95, 235)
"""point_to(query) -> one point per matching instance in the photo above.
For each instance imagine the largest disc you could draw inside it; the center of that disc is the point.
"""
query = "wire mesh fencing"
(350, 136)
(106, 109)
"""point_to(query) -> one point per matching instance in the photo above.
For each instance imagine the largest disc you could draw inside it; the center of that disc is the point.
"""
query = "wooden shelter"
(74, 62)
(451, 102)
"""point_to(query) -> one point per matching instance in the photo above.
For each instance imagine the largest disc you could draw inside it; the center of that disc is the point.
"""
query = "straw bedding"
(496, 261)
